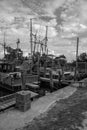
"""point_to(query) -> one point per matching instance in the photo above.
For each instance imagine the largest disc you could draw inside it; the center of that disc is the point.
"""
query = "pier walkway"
(14, 119)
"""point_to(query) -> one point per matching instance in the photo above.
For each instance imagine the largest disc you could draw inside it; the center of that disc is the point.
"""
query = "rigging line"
(39, 23)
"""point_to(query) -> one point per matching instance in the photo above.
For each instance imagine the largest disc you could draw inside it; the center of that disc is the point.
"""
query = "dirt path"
(66, 114)
(15, 119)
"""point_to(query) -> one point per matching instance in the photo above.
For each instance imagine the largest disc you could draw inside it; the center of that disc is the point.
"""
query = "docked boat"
(11, 79)
(54, 80)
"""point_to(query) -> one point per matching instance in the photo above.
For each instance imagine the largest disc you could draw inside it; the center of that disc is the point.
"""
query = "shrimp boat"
(11, 68)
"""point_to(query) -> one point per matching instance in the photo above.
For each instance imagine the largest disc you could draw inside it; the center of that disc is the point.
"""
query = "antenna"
(18, 42)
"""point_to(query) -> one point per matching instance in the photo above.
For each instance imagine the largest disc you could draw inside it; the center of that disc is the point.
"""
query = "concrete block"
(23, 96)
(23, 102)
(23, 106)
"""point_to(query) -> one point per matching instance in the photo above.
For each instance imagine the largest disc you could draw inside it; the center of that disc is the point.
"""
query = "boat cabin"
(7, 67)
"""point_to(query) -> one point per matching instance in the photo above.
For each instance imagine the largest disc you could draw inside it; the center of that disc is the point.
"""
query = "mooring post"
(51, 80)
(23, 77)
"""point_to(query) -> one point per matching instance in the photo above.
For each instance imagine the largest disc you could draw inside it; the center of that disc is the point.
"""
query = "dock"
(10, 100)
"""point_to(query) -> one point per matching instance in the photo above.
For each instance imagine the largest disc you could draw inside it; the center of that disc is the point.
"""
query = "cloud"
(83, 10)
(66, 19)
(51, 6)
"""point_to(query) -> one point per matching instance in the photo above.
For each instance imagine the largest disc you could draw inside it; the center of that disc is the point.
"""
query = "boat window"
(68, 74)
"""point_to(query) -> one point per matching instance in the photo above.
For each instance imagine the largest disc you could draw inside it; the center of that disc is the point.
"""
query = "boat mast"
(31, 35)
(46, 39)
(31, 46)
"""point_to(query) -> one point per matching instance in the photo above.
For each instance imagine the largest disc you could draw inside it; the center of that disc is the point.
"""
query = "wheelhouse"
(7, 67)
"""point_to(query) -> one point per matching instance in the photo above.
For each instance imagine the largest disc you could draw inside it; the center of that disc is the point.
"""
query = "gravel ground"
(66, 114)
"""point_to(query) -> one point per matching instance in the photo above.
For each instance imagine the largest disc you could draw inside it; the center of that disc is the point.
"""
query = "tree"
(82, 57)
(61, 60)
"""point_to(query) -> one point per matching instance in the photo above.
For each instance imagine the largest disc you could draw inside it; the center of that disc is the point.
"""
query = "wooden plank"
(7, 105)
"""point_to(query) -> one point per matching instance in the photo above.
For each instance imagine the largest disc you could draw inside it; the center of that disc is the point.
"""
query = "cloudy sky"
(66, 19)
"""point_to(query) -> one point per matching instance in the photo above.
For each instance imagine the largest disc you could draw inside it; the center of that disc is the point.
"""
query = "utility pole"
(77, 46)
(4, 43)
(18, 42)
